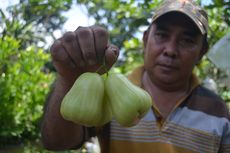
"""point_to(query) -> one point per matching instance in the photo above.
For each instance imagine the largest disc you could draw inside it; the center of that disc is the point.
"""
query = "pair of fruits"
(93, 100)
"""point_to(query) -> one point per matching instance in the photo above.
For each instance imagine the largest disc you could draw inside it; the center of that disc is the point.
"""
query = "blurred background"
(29, 27)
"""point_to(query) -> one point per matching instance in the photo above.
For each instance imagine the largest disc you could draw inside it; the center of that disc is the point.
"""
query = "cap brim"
(194, 19)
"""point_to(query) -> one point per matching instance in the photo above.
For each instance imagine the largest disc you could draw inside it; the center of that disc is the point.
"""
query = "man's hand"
(84, 50)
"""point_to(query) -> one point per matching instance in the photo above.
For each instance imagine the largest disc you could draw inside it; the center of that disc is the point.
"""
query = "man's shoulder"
(204, 92)
(136, 74)
(207, 101)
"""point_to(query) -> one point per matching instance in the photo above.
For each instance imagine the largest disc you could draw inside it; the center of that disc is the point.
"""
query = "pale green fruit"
(106, 111)
(129, 103)
(84, 103)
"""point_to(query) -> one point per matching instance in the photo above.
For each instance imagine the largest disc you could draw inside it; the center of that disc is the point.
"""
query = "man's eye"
(187, 41)
(160, 35)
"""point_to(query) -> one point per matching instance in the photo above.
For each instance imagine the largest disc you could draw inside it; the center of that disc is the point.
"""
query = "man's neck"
(165, 96)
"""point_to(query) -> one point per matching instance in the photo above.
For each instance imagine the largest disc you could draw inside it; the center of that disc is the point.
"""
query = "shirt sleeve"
(225, 143)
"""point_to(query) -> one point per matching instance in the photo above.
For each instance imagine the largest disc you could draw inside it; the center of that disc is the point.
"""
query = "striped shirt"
(199, 124)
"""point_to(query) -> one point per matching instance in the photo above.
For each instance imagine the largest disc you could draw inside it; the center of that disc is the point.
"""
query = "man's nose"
(171, 48)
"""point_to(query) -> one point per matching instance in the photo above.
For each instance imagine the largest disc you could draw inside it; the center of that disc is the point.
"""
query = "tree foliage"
(32, 21)
(24, 77)
(23, 86)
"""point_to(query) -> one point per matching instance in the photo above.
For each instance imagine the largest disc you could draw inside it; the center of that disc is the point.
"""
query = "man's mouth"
(167, 67)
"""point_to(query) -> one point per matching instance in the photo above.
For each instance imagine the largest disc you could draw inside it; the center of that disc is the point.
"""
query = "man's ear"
(145, 37)
(204, 50)
(202, 53)
(205, 47)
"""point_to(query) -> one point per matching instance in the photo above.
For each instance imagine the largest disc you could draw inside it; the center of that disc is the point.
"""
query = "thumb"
(111, 55)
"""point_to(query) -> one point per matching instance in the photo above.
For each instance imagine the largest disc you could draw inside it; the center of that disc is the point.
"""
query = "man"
(185, 117)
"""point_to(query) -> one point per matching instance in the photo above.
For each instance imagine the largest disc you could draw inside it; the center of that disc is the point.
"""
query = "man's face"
(173, 46)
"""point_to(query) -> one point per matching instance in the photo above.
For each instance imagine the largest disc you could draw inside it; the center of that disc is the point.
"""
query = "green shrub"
(23, 89)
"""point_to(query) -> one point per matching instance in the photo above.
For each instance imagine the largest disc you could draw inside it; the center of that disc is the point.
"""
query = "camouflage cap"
(187, 7)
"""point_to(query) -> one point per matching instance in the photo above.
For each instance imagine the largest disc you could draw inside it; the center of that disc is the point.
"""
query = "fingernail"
(113, 49)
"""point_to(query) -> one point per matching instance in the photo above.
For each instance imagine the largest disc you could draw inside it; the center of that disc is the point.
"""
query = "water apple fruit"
(86, 103)
(129, 103)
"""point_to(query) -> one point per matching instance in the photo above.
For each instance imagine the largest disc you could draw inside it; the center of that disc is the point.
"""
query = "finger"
(60, 58)
(73, 49)
(86, 42)
(59, 55)
(101, 41)
(111, 55)
(58, 52)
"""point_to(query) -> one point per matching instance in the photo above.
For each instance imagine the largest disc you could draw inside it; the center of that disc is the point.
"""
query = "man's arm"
(57, 133)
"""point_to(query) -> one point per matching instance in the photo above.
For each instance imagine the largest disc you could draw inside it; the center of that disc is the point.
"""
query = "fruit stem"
(106, 70)
(104, 67)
